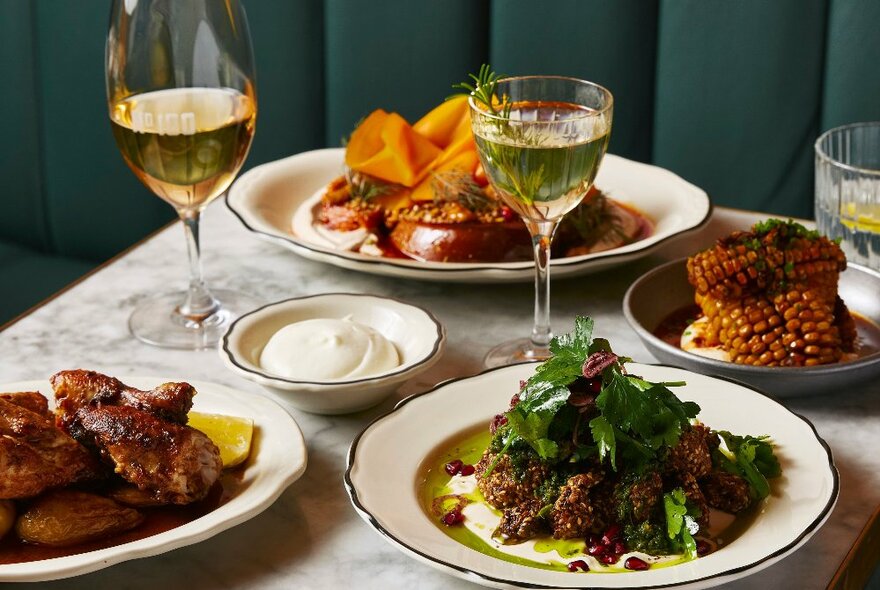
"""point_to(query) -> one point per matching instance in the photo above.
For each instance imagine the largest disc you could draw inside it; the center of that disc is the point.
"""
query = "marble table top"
(311, 537)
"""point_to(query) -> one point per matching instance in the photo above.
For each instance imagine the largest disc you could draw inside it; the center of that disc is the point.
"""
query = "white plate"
(268, 198)
(278, 459)
(801, 501)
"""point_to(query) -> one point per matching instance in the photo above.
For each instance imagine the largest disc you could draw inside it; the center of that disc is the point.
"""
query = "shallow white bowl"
(665, 289)
(417, 335)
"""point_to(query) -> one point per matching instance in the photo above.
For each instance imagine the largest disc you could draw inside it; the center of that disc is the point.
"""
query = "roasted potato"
(69, 517)
(7, 516)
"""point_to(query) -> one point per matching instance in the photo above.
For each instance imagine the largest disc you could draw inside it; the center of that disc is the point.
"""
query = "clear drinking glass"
(848, 190)
(541, 144)
(182, 102)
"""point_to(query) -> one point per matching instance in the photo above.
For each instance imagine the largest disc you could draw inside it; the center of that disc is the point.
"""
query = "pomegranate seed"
(454, 467)
(703, 547)
(636, 564)
(453, 518)
(619, 547)
(612, 533)
(467, 470)
(596, 550)
(596, 385)
(497, 422)
(609, 558)
(508, 214)
(593, 539)
(578, 564)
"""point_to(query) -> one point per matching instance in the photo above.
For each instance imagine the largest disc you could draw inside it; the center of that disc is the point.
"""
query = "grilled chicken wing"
(29, 400)
(143, 434)
(34, 454)
(77, 389)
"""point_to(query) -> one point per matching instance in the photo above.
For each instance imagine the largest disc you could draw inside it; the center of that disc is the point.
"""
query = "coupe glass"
(541, 142)
(180, 89)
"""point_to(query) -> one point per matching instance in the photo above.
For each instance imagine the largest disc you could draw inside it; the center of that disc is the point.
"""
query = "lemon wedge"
(231, 434)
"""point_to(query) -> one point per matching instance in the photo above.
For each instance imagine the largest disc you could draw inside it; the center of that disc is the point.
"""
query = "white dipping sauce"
(328, 350)
(694, 335)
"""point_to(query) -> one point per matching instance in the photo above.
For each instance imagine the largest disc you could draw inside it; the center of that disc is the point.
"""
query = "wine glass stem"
(199, 303)
(542, 236)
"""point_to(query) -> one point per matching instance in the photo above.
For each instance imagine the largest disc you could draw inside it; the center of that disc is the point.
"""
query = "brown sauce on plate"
(673, 325)
(157, 520)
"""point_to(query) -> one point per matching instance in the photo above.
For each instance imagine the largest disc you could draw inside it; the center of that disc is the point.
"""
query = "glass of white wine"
(541, 140)
(182, 100)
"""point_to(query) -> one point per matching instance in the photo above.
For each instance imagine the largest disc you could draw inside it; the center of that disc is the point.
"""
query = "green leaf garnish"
(484, 91)
(751, 458)
(648, 415)
(681, 523)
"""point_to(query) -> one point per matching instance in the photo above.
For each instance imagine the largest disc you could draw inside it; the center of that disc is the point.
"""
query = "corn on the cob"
(770, 296)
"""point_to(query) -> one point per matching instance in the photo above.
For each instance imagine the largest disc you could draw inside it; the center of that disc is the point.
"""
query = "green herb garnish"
(638, 418)
(790, 227)
(681, 522)
(484, 91)
(751, 458)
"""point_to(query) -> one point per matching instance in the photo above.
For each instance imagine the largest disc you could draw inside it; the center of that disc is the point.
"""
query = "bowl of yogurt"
(333, 353)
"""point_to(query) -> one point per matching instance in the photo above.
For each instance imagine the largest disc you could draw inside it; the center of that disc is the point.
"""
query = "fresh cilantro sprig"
(638, 418)
(546, 392)
(681, 522)
(751, 458)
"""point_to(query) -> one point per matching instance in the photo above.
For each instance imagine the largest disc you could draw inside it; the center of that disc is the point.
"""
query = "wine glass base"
(515, 351)
(157, 321)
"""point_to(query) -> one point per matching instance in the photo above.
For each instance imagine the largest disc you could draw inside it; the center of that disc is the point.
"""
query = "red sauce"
(157, 520)
(673, 325)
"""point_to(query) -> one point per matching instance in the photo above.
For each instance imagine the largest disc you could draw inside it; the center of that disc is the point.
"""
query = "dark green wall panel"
(289, 52)
(852, 83)
(23, 212)
(96, 206)
(611, 43)
(738, 98)
(398, 55)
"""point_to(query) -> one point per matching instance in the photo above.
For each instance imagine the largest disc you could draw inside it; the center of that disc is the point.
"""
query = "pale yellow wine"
(185, 144)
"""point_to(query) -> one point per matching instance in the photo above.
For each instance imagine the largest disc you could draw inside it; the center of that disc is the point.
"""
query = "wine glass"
(180, 89)
(541, 140)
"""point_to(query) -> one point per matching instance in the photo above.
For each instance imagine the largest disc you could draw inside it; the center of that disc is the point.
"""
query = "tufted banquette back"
(730, 94)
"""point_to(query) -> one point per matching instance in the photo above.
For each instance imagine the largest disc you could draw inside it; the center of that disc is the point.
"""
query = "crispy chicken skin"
(34, 454)
(78, 388)
(142, 434)
(175, 464)
(29, 400)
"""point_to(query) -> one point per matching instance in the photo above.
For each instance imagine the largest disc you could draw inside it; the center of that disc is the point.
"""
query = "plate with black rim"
(278, 458)
(800, 501)
(662, 291)
(276, 201)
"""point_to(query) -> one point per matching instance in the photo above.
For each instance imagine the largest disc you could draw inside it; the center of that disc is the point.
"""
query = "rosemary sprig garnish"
(592, 215)
(484, 91)
(454, 185)
(365, 188)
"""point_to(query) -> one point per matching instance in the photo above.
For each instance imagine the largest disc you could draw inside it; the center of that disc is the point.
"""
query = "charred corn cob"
(770, 296)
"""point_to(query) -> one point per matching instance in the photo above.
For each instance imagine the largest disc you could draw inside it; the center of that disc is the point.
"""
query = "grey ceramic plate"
(665, 289)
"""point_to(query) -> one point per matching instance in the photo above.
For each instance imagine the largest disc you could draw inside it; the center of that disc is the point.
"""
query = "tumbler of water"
(848, 190)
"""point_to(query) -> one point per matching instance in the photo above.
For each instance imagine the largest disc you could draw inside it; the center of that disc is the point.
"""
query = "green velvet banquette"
(730, 94)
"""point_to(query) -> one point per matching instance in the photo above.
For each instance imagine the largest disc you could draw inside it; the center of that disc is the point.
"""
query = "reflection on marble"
(311, 537)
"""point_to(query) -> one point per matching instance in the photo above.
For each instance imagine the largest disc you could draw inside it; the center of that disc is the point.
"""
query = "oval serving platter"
(800, 502)
(276, 201)
(278, 458)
